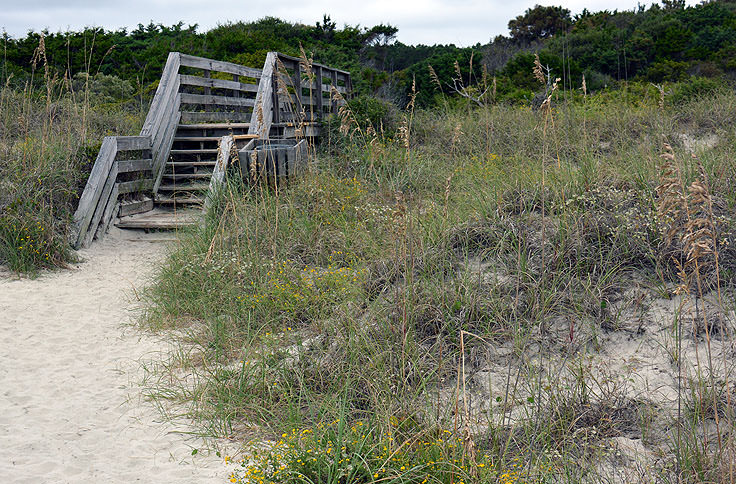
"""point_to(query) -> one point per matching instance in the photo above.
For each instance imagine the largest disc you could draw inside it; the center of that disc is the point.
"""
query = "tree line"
(665, 42)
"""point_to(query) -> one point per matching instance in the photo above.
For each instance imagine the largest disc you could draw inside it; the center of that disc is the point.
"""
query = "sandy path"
(70, 408)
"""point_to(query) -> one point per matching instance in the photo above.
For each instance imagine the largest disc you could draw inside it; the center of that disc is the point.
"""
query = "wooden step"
(207, 151)
(176, 176)
(192, 187)
(198, 138)
(215, 126)
(179, 200)
(161, 219)
(184, 164)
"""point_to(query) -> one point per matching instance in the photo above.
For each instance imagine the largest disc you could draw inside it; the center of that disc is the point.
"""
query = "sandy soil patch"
(70, 403)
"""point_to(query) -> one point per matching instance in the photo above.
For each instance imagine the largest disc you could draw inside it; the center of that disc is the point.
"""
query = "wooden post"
(276, 105)
(236, 78)
(218, 173)
(333, 80)
(207, 75)
(298, 87)
(262, 117)
(318, 101)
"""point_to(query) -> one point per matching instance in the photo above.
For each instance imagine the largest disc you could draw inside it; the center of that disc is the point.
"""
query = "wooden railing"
(287, 98)
(308, 89)
(163, 116)
(124, 165)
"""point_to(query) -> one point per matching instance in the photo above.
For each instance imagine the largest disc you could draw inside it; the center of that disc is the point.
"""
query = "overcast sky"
(461, 22)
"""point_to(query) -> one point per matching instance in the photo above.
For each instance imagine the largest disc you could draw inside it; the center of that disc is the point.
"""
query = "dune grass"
(51, 129)
(434, 304)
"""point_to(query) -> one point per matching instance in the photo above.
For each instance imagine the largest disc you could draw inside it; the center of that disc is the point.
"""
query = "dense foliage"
(668, 42)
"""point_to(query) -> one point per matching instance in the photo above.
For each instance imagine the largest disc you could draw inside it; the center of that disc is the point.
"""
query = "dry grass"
(519, 281)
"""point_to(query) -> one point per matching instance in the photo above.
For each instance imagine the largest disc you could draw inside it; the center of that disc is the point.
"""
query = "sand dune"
(70, 406)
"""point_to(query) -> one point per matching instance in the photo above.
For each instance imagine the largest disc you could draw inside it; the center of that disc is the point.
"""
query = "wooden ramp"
(198, 102)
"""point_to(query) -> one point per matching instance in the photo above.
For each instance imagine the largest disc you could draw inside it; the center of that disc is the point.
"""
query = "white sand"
(71, 410)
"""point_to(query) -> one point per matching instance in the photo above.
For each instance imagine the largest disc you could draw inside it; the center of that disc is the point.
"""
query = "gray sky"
(462, 22)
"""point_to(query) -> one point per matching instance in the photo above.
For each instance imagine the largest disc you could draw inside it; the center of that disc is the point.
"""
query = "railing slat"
(219, 66)
(315, 64)
(135, 186)
(187, 80)
(217, 100)
(127, 166)
(132, 143)
(203, 117)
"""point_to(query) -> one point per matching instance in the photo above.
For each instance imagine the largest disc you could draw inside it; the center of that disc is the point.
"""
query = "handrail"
(162, 117)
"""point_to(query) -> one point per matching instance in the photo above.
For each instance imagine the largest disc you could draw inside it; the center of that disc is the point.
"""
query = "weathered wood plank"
(169, 77)
(196, 117)
(187, 98)
(135, 206)
(208, 126)
(207, 75)
(333, 103)
(162, 153)
(110, 213)
(126, 166)
(318, 94)
(218, 173)
(160, 219)
(187, 80)
(219, 66)
(135, 186)
(162, 129)
(92, 190)
(101, 205)
(298, 164)
(236, 79)
(262, 117)
(169, 107)
(284, 57)
(133, 143)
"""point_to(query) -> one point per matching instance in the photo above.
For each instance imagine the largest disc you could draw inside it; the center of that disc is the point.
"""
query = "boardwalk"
(70, 408)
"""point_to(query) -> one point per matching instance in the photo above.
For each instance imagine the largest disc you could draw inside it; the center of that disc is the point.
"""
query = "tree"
(539, 23)
(377, 39)
(327, 28)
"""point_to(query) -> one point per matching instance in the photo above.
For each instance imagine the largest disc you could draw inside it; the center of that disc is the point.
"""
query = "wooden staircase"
(191, 162)
(160, 178)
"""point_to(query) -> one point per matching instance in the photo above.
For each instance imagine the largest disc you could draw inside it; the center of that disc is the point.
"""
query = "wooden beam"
(333, 104)
(315, 64)
(126, 166)
(133, 207)
(135, 186)
(217, 100)
(110, 213)
(219, 66)
(133, 143)
(218, 172)
(196, 117)
(169, 80)
(92, 190)
(186, 80)
(107, 192)
(206, 74)
(260, 122)
(159, 163)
